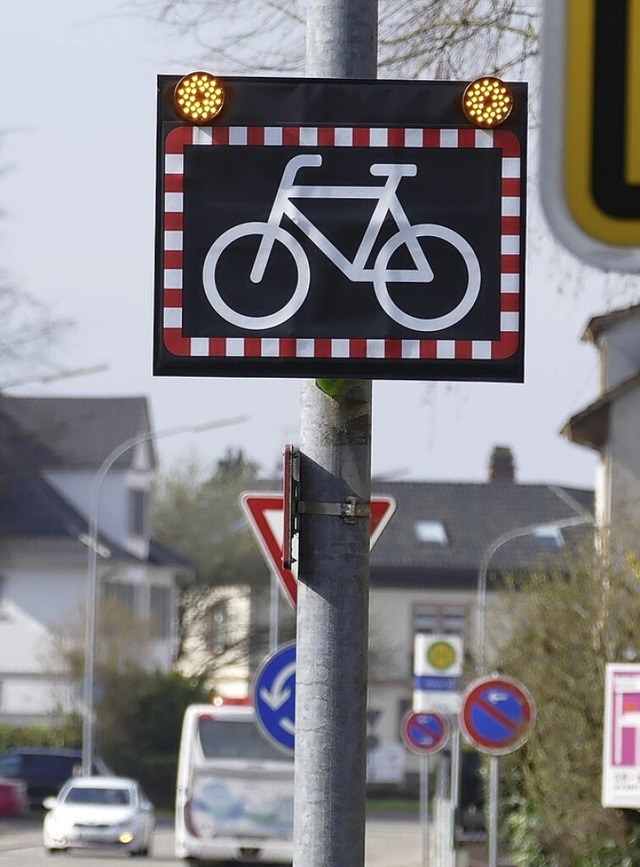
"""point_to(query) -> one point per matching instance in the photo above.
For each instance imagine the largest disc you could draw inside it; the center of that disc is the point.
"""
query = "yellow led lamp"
(198, 97)
(487, 102)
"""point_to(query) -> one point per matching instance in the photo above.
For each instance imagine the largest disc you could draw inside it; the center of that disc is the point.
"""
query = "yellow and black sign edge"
(590, 163)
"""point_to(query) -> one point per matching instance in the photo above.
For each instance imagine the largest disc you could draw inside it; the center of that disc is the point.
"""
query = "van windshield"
(235, 739)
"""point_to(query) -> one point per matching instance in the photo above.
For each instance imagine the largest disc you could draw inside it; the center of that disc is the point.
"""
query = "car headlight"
(59, 826)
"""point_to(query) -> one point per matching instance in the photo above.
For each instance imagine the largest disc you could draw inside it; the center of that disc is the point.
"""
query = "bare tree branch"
(417, 38)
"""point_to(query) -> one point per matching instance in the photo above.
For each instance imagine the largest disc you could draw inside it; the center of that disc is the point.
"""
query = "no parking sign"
(424, 733)
(497, 715)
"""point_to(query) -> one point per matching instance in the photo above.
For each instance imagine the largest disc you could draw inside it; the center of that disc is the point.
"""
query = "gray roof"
(590, 426)
(77, 432)
(599, 324)
(74, 433)
(474, 516)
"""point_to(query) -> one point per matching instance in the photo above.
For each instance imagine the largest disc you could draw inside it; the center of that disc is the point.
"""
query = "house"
(425, 571)
(50, 452)
(426, 566)
(610, 424)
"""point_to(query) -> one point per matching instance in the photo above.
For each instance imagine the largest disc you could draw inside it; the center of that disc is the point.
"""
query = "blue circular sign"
(497, 715)
(274, 697)
(424, 733)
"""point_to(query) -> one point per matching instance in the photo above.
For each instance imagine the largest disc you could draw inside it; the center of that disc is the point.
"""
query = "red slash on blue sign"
(424, 733)
(497, 715)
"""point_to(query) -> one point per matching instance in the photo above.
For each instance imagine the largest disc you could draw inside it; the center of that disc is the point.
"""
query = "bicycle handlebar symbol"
(355, 269)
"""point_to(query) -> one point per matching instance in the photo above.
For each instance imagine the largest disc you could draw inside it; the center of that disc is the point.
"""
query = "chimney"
(501, 467)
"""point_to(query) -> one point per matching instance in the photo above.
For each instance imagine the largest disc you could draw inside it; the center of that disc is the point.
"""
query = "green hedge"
(39, 736)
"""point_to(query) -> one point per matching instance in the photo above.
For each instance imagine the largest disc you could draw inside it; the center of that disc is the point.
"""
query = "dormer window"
(430, 532)
(548, 537)
(137, 512)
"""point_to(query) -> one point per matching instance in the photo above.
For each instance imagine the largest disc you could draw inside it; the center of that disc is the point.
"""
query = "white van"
(234, 797)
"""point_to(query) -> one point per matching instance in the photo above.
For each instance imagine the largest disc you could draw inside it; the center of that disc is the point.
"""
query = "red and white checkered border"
(360, 348)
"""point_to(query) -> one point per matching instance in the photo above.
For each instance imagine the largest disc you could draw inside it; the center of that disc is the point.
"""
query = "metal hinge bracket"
(350, 509)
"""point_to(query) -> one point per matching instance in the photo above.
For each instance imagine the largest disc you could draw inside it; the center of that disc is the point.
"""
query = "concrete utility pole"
(333, 594)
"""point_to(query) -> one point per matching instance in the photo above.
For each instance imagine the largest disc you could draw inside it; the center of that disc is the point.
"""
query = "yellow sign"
(590, 134)
(602, 125)
(441, 655)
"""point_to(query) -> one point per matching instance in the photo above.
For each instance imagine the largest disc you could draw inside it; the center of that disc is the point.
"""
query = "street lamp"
(491, 549)
(92, 569)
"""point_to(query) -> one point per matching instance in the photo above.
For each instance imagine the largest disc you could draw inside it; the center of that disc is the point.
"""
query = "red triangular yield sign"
(265, 514)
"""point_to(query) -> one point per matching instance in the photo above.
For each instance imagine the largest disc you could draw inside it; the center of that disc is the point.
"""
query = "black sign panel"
(293, 241)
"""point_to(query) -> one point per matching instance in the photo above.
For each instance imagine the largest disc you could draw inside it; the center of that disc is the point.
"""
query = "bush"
(40, 736)
(140, 719)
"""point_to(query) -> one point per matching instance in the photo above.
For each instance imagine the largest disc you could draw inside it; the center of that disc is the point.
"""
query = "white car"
(99, 812)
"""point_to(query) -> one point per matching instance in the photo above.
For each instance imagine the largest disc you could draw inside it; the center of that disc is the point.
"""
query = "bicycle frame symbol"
(387, 203)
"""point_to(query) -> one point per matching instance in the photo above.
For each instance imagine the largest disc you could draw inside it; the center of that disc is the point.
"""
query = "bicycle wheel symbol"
(383, 275)
(265, 320)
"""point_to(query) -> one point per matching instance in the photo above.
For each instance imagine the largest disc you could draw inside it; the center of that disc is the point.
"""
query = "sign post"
(340, 229)
(424, 734)
(497, 716)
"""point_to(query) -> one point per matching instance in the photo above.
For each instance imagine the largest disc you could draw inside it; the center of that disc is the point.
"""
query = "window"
(160, 610)
(137, 512)
(217, 636)
(124, 594)
(227, 739)
(3, 597)
(440, 619)
(430, 532)
(404, 706)
(548, 537)
(113, 797)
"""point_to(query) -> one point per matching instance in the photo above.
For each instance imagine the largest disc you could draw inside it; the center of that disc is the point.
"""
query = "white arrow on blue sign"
(274, 697)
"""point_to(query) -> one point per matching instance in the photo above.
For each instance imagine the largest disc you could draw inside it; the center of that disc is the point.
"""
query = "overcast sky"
(79, 101)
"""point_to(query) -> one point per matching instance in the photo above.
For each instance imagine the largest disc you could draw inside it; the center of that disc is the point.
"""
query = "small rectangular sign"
(437, 671)
(340, 229)
(621, 751)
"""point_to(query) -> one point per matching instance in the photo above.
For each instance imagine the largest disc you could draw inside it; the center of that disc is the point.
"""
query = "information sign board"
(621, 743)
(330, 228)
(437, 667)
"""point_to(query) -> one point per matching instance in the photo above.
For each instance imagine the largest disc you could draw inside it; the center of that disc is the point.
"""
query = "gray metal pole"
(424, 810)
(333, 605)
(333, 565)
(342, 38)
(493, 810)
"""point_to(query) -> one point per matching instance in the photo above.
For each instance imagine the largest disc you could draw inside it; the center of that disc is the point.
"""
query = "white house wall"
(391, 642)
(113, 522)
(619, 353)
(30, 686)
(38, 603)
(48, 596)
(23, 641)
(624, 450)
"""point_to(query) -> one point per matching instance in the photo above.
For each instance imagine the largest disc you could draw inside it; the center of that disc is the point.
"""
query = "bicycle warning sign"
(331, 249)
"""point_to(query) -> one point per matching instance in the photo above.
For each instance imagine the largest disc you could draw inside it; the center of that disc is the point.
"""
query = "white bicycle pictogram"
(387, 203)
